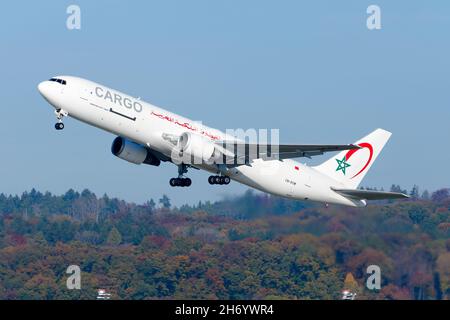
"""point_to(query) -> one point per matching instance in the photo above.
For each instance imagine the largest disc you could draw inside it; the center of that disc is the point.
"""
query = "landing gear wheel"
(180, 182)
(219, 180)
(59, 126)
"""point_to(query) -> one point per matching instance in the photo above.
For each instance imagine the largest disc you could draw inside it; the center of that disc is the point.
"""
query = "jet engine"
(193, 145)
(133, 152)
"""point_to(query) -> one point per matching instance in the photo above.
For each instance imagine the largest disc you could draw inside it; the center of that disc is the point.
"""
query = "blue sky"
(312, 69)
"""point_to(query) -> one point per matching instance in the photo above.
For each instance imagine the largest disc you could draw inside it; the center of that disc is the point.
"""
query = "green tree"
(425, 195)
(165, 201)
(151, 204)
(114, 237)
(414, 193)
(417, 214)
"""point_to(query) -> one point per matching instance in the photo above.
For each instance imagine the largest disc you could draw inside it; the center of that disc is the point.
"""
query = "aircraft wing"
(369, 194)
(238, 153)
(245, 152)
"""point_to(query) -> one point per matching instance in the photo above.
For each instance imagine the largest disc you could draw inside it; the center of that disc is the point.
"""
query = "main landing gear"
(181, 181)
(59, 116)
(219, 180)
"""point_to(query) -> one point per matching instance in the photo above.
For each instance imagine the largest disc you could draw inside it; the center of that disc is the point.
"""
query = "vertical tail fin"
(350, 167)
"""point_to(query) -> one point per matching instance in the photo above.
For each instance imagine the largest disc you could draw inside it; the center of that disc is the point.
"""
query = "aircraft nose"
(43, 88)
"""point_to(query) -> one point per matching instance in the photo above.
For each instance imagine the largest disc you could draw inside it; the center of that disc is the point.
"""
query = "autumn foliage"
(249, 247)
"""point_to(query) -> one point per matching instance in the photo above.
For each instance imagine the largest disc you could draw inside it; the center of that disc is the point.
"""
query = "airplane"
(147, 134)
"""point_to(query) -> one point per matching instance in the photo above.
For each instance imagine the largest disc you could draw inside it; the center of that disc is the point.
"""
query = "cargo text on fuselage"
(117, 98)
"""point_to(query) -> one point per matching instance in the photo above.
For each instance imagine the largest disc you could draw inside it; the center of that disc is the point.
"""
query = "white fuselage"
(146, 124)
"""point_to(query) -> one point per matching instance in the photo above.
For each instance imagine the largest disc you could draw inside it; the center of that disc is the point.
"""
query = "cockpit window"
(61, 81)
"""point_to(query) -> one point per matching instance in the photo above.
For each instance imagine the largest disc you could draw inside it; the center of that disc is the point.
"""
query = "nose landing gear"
(60, 113)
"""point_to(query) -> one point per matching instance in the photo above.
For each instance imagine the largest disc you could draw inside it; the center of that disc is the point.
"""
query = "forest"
(252, 246)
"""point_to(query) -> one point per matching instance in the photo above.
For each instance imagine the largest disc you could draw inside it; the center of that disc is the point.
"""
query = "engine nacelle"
(133, 152)
(199, 148)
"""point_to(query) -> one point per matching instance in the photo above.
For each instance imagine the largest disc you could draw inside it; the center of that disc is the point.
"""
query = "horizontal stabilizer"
(369, 194)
